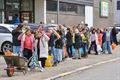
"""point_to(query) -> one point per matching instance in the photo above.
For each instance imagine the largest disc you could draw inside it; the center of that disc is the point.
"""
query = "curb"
(82, 68)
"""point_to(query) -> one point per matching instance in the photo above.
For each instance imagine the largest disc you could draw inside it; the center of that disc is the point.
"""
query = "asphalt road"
(109, 71)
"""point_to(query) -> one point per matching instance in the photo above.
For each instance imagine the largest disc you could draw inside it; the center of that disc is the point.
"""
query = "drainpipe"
(58, 4)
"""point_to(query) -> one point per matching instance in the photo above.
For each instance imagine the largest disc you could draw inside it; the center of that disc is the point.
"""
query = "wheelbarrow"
(15, 64)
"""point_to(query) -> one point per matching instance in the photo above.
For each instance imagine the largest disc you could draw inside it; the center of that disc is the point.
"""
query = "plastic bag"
(99, 48)
(113, 45)
(49, 61)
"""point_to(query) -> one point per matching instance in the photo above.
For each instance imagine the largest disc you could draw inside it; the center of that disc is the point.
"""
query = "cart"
(15, 64)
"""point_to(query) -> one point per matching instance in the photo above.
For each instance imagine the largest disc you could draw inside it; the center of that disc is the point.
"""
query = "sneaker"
(42, 69)
(68, 58)
(28, 69)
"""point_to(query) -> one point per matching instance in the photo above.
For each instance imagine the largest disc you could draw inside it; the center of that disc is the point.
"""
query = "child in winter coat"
(77, 44)
(16, 43)
(51, 43)
(27, 43)
(41, 46)
(59, 47)
(93, 41)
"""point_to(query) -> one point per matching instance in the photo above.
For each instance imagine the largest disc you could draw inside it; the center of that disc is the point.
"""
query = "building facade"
(117, 12)
(103, 13)
(69, 12)
(24, 8)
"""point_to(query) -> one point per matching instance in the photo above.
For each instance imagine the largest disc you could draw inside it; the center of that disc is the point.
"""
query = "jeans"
(59, 53)
(69, 50)
(107, 47)
(16, 49)
(54, 54)
(85, 49)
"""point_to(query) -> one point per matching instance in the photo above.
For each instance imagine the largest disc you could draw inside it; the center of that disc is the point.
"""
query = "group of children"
(60, 42)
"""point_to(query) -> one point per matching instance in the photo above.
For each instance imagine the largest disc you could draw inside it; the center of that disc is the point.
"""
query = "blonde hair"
(76, 31)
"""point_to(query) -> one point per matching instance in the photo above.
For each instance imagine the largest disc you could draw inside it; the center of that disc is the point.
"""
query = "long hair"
(19, 27)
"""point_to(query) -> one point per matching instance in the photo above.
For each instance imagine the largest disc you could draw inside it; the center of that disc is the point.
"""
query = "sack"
(99, 48)
(113, 45)
(49, 61)
(8, 53)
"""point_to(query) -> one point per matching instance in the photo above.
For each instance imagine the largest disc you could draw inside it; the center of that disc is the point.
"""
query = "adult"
(16, 19)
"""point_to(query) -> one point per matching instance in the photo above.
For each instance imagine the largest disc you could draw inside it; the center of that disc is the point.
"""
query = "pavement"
(63, 68)
(108, 71)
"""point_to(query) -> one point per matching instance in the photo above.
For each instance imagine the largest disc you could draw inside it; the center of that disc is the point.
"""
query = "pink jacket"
(100, 39)
(22, 38)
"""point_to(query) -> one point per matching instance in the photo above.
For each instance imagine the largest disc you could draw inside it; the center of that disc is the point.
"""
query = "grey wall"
(69, 20)
(103, 22)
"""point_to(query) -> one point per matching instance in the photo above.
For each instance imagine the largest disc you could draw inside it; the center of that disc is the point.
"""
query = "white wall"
(40, 11)
(89, 15)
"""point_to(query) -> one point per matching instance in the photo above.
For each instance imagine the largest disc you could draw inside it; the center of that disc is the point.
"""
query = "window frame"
(5, 30)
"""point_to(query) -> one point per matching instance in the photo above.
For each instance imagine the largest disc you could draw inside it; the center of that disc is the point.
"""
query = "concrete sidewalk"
(66, 66)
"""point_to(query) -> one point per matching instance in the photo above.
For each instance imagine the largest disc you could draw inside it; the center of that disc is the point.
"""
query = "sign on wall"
(104, 9)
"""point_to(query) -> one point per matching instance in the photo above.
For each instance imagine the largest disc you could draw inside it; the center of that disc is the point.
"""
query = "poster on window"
(104, 9)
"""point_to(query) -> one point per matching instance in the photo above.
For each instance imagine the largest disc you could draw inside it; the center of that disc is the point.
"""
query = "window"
(52, 5)
(63, 7)
(12, 4)
(118, 5)
(1, 4)
(0, 16)
(81, 10)
(68, 7)
(4, 30)
(72, 8)
(26, 5)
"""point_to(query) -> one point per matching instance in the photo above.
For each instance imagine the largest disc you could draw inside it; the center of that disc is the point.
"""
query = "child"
(59, 47)
(16, 43)
(77, 44)
(27, 43)
(41, 46)
(93, 41)
(51, 43)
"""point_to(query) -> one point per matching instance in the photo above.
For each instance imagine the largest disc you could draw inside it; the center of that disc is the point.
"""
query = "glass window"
(26, 5)
(51, 5)
(12, 5)
(63, 7)
(118, 5)
(1, 4)
(4, 30)
(81, 10)
(0, 17)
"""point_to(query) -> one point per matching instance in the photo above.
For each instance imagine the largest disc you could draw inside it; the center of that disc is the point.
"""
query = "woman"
(16, 43)
(77, 44)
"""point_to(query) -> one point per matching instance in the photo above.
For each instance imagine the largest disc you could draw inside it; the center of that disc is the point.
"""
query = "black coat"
(78, 41)
(15, 35)
(69, 37)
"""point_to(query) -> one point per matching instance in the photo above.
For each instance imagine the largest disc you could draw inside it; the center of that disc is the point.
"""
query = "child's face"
(38, 34)
(28, 32)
